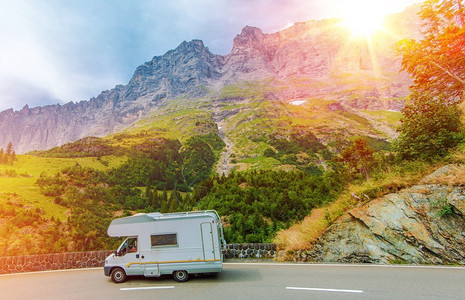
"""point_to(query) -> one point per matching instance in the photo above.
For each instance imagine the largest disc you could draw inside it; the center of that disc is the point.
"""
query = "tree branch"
(447, 71)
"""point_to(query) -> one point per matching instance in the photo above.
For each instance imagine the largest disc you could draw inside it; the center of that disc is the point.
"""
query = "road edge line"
(323, 290)
(348, 265)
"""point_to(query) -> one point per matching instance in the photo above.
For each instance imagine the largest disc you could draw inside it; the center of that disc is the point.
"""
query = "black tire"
(118, 275)
(180, 276)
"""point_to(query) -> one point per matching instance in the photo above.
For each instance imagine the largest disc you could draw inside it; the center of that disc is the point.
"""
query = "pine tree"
(188, 205)
(173, 205)
(165, 195)
(148, 190)
(155, 200)
(164, 206)
(174, 200)
(9, 149)
(7, 157)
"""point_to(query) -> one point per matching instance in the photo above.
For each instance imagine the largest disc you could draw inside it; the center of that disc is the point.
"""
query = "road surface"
(249, 281)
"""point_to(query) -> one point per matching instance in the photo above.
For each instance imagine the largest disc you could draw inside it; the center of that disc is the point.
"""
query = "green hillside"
(294, 136)
(167, 162)
(20, 179)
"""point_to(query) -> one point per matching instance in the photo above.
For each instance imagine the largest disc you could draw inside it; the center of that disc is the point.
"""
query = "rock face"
(313, 49)
(318, 51)
(181, 71)
(424, 224)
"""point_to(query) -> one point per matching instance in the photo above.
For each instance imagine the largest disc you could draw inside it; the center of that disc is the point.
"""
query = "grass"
(28, 169)
(390, 118)
(266, 163)
(305, 233)
(361, 80)
(247, 89)
(176, 119)
(454, 177)
(356, 118)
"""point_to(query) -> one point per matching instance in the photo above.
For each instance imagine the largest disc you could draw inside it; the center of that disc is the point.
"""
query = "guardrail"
(90, 259)
(244, 251)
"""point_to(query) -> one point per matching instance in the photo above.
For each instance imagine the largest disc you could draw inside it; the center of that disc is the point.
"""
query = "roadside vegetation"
(68, 201)
(256, 204)
(431, 130)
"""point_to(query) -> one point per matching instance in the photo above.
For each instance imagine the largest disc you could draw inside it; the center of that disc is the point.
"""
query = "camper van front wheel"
(180, 276)
(118, 275)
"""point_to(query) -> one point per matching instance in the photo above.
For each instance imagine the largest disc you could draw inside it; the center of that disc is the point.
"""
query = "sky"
(55, 51)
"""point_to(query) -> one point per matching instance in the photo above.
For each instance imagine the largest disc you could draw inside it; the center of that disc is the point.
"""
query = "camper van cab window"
(128, 246)
(164, 240)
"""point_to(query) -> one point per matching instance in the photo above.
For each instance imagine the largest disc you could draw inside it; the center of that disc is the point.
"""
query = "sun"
(363, 17)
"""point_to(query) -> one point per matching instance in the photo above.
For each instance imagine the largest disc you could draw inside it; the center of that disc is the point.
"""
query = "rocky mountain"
(314, 59)
(424, 224)
(185, 70)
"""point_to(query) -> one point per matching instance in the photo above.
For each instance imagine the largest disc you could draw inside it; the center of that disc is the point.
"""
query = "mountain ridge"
(317, 51)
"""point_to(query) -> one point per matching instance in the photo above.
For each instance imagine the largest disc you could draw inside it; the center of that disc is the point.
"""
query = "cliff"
(424, 224)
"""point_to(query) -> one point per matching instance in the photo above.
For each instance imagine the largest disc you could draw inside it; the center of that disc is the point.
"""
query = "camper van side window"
(164, 240)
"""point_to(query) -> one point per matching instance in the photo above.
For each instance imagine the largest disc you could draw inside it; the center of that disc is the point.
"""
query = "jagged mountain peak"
(192, 46)
(249, 36)
(179, 71)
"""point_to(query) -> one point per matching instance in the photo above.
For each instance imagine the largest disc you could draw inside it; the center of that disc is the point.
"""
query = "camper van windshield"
(129, 245)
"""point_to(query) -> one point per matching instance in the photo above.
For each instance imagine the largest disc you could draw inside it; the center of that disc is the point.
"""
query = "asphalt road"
(249, 281)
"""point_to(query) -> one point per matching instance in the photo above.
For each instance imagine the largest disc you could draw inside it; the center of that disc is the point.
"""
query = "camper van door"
(128, 256)
(207, 241)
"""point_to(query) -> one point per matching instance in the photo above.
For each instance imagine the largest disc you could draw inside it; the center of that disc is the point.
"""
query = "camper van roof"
(150, 217)
(119, 227)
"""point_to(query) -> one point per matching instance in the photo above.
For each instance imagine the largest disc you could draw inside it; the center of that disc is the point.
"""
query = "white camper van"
(157, 244)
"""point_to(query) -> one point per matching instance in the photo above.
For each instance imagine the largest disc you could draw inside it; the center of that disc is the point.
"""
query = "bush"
(269, 153)
(430, 128)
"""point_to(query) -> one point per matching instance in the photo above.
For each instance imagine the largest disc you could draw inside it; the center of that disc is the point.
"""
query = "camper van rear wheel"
(118, 275)
(180, 276)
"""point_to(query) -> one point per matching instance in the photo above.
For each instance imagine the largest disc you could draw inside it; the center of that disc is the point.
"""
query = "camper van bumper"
(106, 270)
(109, 263)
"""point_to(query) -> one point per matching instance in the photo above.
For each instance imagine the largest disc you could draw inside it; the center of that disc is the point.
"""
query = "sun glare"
(363, 17)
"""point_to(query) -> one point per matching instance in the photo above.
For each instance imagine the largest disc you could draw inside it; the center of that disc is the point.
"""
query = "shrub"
(430, 127)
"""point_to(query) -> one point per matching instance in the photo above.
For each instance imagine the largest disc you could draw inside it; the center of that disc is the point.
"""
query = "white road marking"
(346, 265)
(323, 290)
(147, 288)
